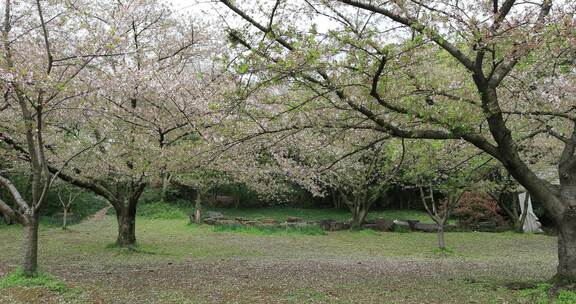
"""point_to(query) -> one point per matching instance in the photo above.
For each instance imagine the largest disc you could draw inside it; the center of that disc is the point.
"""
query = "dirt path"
(98, 216)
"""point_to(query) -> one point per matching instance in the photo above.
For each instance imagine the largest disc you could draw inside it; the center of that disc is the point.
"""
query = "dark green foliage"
(151, 195)
(159, 210)
(21, 183)
(84, 206)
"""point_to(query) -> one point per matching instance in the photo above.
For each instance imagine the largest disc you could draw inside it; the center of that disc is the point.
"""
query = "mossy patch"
(40, 279)
(545, 293)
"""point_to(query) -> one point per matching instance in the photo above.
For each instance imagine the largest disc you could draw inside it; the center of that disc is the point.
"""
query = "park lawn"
(281, 213)
(180, 263)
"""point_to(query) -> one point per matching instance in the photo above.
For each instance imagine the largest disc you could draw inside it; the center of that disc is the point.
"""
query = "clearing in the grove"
(176, 262)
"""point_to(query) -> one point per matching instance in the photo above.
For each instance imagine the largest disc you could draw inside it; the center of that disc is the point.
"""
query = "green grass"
(132, 249)
(401, 229)
(446, 252)
(363, 232)
(270, 230)
(40, 279)
(175, 261)
(159, 210)
(306, 295)
(280, 213)
(541, 295)
(566, 297)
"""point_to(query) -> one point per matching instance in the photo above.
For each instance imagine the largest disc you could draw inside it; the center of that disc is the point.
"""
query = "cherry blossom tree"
(66, 201)
(150, 104)
(141, 93)
(439, 70)
(443, 176)
(354, 164)
(40, 69)
(358, 174)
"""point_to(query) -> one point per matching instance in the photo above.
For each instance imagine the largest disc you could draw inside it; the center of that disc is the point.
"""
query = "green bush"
(158, 210)
(17, 278)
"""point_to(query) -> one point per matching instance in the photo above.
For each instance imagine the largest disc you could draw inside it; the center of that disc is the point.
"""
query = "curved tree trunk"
(7, 219)
(30, 246)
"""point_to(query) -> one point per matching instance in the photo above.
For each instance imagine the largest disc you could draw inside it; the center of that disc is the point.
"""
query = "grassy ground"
(179, 263)
(280, 213)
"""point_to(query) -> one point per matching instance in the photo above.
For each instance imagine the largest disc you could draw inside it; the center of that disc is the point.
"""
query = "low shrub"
(158, 210)
(474, 208)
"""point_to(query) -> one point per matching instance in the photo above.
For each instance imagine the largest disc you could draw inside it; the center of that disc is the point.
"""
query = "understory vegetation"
(175, 262)
(310, 214)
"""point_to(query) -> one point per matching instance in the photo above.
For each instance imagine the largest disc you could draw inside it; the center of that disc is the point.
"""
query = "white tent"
(531, 224)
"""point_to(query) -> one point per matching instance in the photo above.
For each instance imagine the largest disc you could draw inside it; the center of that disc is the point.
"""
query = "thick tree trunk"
(359, 213)
(125, 207)
(126, 228)
(30, 247)
(566, 273)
